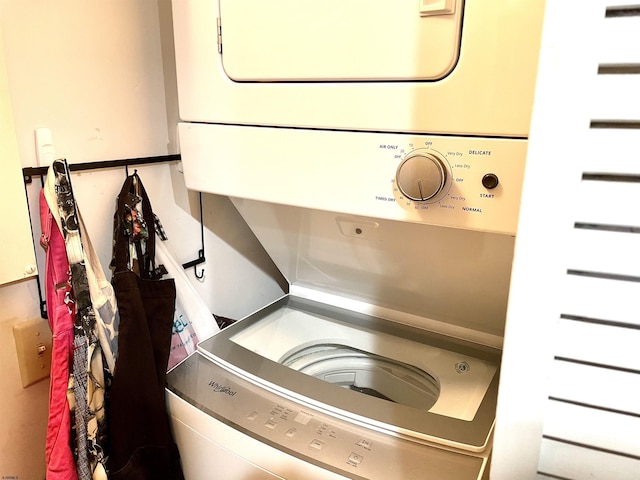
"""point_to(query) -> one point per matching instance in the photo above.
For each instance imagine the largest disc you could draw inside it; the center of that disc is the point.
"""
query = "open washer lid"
(459, 278)
(298, 40)
(449, 386)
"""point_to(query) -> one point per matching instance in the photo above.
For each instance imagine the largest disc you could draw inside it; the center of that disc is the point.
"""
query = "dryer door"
(304, 40)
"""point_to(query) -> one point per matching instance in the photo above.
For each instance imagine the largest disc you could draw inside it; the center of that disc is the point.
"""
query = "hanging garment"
(61, 312)
(88, 377)
(103, 299)
(142, 446)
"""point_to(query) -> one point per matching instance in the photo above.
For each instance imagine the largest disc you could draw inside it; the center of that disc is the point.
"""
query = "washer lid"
(454, 276)
(448, 387)
(297, 40)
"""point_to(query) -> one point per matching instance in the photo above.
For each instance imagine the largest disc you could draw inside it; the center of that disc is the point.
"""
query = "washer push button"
(316, 444)
(355, 459)
(271, 424)
(364, 443)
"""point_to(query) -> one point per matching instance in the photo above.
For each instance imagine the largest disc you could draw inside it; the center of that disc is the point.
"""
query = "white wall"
(100, 75)
(91, 69)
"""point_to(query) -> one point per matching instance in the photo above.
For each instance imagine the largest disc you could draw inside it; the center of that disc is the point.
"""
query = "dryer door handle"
(437, 7)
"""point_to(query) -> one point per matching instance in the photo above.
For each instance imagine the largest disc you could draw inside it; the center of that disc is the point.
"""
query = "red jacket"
(59, 457)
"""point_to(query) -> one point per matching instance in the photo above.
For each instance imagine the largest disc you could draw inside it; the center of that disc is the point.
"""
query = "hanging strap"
(133, 192)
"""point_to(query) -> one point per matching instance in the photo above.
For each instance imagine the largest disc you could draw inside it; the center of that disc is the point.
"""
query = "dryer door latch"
(437, 7)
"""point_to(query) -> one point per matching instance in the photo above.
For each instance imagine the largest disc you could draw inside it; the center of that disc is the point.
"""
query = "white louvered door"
(569, 405)
(592, 420)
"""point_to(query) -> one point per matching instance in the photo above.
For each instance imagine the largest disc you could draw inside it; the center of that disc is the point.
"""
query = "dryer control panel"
(464, 182)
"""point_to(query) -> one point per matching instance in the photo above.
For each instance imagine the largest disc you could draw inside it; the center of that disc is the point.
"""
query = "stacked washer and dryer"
(377, 150)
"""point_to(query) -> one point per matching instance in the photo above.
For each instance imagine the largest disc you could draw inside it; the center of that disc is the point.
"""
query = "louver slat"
(612, 150)
(615, 432)
(609, 300)
(605, 252)
(601, 299)
(568, 461)
(599, 343)
(618, 41)
(608, 203)
(600, 387)
(616, 98)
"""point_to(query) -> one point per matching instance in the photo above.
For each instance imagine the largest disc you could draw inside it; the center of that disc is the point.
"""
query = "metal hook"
(195, 263)
(195, 272)
(200, 259)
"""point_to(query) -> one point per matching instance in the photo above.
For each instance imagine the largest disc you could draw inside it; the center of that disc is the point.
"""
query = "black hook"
(200, 259)
(195, 272)
(195, 263)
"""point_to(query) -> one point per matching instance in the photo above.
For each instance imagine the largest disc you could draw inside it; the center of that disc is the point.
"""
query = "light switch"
(45, 149)
(33, 344)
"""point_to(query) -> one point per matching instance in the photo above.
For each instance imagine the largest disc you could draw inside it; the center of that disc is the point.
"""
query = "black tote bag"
(141, 443)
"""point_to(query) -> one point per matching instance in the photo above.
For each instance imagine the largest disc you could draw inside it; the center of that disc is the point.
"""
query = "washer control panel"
(309, 434)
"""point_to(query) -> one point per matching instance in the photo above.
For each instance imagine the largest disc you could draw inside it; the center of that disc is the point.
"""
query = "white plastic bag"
(192, 321)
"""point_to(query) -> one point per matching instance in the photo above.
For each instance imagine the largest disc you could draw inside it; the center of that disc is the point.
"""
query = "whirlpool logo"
(216, 387)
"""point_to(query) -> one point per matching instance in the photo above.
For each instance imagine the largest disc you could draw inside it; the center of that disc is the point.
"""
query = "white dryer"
(430, 66)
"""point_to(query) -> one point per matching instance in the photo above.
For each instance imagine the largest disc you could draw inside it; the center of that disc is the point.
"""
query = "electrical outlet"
(33, 344)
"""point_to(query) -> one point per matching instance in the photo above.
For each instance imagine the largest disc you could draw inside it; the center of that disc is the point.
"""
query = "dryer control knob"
(421, 176)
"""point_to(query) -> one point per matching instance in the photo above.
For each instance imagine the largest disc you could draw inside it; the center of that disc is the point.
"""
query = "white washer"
(376, 399)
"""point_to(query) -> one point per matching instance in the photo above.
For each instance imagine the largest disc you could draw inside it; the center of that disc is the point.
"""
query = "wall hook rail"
(29, 172)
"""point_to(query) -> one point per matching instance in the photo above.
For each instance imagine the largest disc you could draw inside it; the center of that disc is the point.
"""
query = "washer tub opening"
(367, 373)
